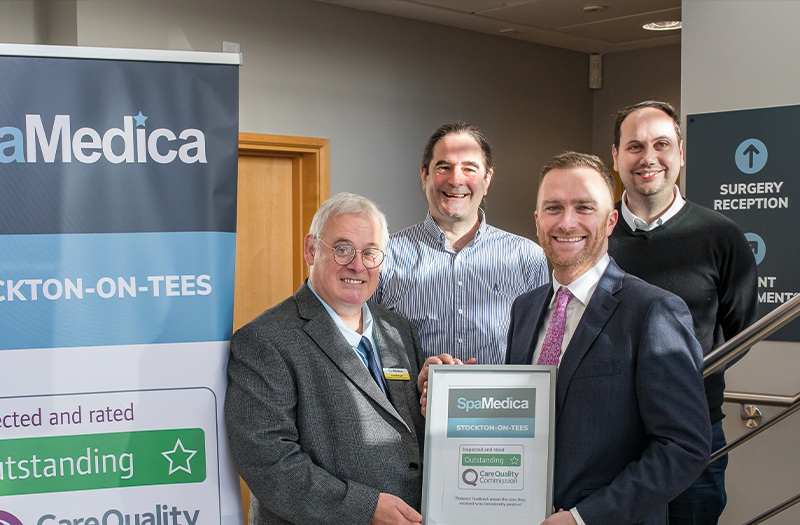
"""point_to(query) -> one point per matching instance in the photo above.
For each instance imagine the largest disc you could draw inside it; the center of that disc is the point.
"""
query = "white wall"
(22, 22)
(61, 22)
(740, 54)
(630, 77)
(377, 87)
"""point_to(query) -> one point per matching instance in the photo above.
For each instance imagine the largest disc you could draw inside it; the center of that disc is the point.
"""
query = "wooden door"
(282, 182)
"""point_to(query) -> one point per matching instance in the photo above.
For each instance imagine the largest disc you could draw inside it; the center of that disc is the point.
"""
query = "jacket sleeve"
(673, 409)
(260, 411)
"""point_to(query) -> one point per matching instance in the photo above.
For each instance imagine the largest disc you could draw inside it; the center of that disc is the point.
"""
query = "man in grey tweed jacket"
(311, 430)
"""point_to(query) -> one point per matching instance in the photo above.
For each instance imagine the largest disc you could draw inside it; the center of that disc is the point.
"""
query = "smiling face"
(344, 288)
(649, 158)
(455, 181)
(574, 217)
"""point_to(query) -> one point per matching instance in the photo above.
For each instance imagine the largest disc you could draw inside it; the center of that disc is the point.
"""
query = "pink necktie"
(551, 347)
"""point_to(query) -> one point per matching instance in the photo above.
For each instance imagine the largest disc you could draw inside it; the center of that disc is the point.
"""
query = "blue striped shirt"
(460, 303)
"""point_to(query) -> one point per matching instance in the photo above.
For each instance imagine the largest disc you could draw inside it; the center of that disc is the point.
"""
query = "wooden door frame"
(310, 182)
(310, 188)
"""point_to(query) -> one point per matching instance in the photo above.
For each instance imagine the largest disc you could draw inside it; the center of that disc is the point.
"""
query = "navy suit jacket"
(632, 429)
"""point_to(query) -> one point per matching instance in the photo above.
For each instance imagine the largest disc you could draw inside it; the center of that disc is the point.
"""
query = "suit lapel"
(324, 332)
(597, 313)
(545, 304)
(393, 355)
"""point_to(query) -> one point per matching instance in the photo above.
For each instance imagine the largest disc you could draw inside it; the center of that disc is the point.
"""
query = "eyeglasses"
(344, 254)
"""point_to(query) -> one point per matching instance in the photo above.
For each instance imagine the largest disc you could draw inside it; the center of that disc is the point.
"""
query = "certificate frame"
(496, 462)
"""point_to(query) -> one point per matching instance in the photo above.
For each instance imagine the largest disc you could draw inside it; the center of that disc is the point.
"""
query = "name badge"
(400, 374)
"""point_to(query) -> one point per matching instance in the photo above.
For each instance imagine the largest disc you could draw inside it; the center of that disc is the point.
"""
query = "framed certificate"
(489, 444)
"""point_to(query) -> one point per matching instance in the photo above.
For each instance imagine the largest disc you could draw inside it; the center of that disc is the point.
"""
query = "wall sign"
(743, 165)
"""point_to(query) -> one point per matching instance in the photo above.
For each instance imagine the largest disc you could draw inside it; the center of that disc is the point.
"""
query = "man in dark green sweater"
(691, 251)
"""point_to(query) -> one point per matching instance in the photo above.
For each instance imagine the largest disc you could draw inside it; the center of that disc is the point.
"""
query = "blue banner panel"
(115, 289)
(743, 165)
(117, 152)
(117, 251)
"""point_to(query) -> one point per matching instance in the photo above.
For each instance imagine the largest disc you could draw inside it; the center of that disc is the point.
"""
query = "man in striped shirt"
(452, 275)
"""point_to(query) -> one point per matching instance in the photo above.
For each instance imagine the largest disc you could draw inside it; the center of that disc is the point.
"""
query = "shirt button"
(459, 283)
(460, 311)
(459, 340)
(413, 466)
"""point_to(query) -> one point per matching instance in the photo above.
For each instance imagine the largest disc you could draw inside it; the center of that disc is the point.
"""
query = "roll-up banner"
(117, 244)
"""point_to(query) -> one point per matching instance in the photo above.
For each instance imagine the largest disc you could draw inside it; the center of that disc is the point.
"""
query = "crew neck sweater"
(702, 257)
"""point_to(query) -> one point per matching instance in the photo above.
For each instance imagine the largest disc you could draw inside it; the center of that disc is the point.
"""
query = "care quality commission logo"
(6, 518)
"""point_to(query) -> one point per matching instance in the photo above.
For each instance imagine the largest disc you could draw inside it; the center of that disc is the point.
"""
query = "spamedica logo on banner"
(86, 145)
(491, 413)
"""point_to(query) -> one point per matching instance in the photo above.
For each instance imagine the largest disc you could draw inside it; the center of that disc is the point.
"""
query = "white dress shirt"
(638, 224)
(354, 338)
(582, 290)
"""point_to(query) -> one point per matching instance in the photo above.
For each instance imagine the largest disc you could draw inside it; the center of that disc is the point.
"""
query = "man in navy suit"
(632, 428)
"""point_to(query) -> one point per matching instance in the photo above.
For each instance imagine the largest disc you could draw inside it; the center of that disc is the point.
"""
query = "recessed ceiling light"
(594, 8)
(663, 26)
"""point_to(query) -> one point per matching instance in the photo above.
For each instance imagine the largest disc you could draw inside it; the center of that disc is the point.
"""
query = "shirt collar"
(638, 224)
(583, 287)
(433, 229)
(353, 338)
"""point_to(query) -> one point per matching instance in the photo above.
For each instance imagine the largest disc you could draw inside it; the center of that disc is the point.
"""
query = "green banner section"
(98, 461)
(492, 460)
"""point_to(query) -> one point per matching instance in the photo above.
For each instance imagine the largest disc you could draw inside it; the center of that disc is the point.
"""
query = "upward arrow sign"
(751, 150)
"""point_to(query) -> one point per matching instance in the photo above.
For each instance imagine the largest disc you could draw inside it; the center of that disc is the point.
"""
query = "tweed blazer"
(310, 431)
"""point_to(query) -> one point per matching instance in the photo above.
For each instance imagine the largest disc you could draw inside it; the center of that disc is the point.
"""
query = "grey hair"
(343, 203)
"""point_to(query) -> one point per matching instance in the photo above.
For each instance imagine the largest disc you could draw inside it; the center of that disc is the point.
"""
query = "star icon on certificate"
(515, 460)
(177, 458)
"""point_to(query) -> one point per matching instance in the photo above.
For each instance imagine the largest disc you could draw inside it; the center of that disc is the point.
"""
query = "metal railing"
(744, 438)
(770, 400)
(735, 348)
(758, 331)
(750, 413)
(774, 510)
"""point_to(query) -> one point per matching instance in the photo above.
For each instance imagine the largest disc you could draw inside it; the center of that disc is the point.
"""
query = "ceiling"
(559, 23)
